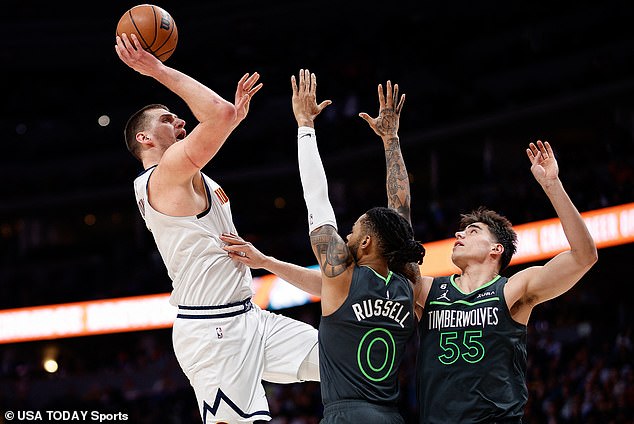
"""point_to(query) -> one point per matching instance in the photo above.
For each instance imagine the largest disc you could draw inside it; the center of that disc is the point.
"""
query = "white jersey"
(202, 273)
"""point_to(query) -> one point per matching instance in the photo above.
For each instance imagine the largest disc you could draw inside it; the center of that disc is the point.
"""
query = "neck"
(151, 157)
(474, 277)
(378, 265)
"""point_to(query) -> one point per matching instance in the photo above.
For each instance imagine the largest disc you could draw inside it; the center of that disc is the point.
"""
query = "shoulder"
(516, 290)
(422, 289)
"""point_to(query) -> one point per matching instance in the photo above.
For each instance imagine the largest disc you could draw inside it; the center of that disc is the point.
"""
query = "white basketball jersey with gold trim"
(202, 273)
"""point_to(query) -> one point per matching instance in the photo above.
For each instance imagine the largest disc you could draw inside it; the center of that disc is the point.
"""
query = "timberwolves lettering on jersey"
(466, 340)
(362, 343)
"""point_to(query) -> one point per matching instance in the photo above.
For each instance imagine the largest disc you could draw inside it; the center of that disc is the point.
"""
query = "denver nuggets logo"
(221, 195)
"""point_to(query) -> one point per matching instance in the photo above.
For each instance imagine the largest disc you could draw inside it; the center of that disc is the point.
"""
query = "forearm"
(314, 182)
(579, 238)
(306, 279)
(204, 103)
(397, 179)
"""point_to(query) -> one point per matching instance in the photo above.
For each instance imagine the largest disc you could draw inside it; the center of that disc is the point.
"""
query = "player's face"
(473, 243)
(354, 238)
(167, 128)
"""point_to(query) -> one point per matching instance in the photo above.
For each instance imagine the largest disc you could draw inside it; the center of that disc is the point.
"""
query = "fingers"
(533, 152)
(243, 79)
(401, 102)
(130, 42)
(304, 79)
(549, 150)
(323, 104)
(255, 89)
(389, 95)
(294, 85)
(540, 151)
(234, 251)
(381, 97)
(246, 85)
(232, 239)
(366, 117)
(394, 92)
(250, 82)
(390, 98)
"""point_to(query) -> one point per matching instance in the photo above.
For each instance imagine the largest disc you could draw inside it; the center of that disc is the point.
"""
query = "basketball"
(153, 26)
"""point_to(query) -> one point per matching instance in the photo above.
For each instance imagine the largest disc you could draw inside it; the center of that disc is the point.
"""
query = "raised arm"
(386, 126)
(216, 116)
(330, 249)
(540, 283)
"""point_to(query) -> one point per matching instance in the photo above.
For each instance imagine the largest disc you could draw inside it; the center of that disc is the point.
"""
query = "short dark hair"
(396, 238)
(136, 123)
(499, 225)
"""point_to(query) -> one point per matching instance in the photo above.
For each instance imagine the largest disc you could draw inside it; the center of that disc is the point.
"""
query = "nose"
(459, 234)
(180, 123)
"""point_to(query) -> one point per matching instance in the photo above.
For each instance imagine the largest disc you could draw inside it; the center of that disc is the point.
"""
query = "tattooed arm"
(336, 264)
(397, 180)
(331, 251)
(386, 126)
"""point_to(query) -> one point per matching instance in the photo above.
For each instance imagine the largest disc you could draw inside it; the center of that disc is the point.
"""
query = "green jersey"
(472, 356)
(361, 345)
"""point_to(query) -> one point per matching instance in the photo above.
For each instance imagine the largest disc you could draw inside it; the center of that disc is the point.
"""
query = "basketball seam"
(156, 30)
(138, 31)
(167, 39)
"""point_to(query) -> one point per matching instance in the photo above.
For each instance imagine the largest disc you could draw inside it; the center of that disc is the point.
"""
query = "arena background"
(482, 79)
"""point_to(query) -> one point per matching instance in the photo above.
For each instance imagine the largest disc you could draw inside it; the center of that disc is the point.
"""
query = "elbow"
(590, 257)
(594, 256)
(228, 113)
(221, 113)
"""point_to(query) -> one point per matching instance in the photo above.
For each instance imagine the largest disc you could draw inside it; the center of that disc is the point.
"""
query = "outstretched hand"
(244, 92)
(543, 163)
(243, 251)
(305, 107)
(390, 107)
(132, 54)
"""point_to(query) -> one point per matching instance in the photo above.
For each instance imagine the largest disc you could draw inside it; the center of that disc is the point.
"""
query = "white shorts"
(227, 351)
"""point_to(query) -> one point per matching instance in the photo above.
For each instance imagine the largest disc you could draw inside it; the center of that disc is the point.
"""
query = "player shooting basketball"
(225, 344)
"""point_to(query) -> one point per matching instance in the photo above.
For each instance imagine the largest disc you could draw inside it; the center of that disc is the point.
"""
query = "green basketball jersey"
(361, 345)
(472, 356)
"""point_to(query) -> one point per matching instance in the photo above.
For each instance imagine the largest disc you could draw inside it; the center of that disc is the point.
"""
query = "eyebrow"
(170, 114)
(473, 225)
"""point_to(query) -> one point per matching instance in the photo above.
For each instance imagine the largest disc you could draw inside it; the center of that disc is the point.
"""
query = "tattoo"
(331, 251)
(387, 122)
(397, 180)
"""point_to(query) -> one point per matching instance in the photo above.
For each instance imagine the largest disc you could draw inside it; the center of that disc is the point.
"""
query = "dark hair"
(499, 225)
(396, 238)
(136, 123)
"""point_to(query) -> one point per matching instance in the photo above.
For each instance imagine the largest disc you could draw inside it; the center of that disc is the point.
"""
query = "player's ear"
(142, 138)
(498, 248)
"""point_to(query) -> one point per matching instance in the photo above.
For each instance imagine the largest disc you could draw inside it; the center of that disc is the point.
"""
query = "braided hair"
(395, 238)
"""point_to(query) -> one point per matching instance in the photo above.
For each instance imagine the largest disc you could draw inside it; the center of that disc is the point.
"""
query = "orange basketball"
(153, 26)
